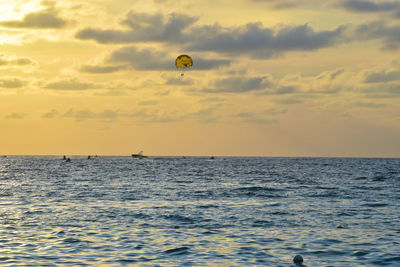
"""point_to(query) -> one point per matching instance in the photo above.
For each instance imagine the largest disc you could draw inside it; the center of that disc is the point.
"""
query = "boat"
(139, 155)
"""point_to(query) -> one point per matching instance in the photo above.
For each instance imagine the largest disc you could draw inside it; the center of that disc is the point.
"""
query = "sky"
(270, 77)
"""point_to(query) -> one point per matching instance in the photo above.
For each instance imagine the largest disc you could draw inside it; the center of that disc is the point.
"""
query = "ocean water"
(194, 211)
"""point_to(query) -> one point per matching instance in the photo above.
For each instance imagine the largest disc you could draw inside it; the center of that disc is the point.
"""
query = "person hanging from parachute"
(183, 62)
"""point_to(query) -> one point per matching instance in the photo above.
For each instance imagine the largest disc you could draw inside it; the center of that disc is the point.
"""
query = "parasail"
(183, 62)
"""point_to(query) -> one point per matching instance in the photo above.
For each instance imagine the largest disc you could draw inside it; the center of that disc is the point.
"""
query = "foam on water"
(198, 212)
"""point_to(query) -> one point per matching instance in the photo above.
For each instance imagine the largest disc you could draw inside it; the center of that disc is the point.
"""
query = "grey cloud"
(106, 36)
(148, 103)
(84, 114)
(382, 76)
(51, 114)
(280, 4)
(325, 90)
(151, 59)
(244, 115)
(142, 28)
(384, 90)
(154, 116)
(378, 30)
(145, 59)
(178, 81)
(370, 105)
(69, 84)
(368, 5)
(6, 60)
(43, 19)
(15, 116)
(108, 114)
(11, 83)
(259, 42)
(252, 39)
(275, 111)
(238, 85)
(145, 114)
(204, 64)
(335, 74)
(261, 121)
(250, 117)
(280, 90)
(212, 100)
(102, 68)
(203, 115)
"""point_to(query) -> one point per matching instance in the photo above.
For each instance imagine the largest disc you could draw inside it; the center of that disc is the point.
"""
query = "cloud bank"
(43, 19)
(252, 39)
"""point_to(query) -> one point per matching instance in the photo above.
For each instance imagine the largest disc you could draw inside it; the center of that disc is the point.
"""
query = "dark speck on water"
(193, 211)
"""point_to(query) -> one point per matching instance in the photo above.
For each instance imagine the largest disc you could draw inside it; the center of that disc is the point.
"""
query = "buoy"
(298, 259)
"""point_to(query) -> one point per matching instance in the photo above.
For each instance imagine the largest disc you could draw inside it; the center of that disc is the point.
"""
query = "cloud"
(368, 6)
(101, 68)
(378, 30)
(260, 43)
(238, 85)
(268, 116)
(335, 74)
(205, 115)
(370, 105)
(384, 90)
(70, 84)
(382, 77)
(51, 114)
(15, 116)
(11, 83)
(9, 60)
(145, 115)
(207, 64)
(151, 59)
(244, 115)
(178, 81)
(260, 85)
(84, 114)
(155, 116)
(250, 117)
(212, 100)
(275, 111)
(252, 39)
(145, 59)
(43, 19)
(142, 27)
(280, 4)
(280, 90)
(148, 103)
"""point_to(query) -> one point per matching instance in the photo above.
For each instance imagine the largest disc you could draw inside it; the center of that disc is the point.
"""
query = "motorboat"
(139, 155)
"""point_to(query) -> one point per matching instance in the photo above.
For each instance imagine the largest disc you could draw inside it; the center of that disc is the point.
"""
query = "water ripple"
(170, 211)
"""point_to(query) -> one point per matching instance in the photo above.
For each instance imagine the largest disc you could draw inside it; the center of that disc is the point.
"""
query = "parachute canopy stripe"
(183, 62)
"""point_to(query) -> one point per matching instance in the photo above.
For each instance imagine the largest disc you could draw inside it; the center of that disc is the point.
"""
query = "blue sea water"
(194, 211)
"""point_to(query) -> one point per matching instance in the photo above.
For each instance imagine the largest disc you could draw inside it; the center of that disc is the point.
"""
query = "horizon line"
(210, 155)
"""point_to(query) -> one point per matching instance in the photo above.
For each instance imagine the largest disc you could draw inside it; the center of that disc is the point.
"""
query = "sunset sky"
(270, 77)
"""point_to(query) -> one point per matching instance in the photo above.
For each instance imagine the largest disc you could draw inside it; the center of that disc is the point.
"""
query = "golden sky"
(270, 77)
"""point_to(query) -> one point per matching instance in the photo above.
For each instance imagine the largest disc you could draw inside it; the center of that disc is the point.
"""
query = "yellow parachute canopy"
(183, 62)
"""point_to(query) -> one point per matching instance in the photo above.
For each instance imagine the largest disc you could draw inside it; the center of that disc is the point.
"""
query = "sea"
(199, 211)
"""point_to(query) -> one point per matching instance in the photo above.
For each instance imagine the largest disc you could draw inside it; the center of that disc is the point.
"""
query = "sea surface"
(197, 211)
